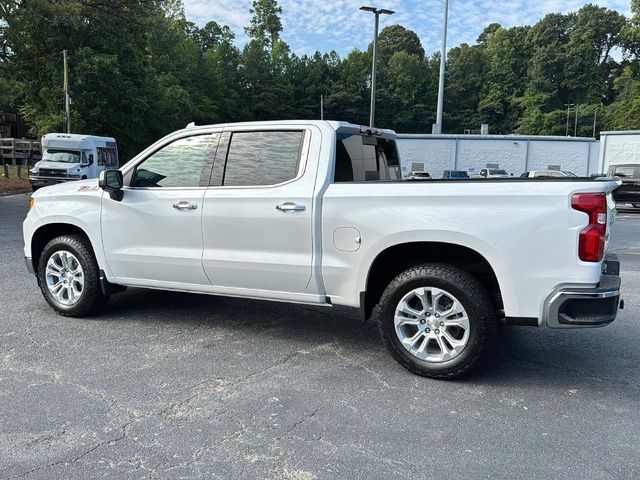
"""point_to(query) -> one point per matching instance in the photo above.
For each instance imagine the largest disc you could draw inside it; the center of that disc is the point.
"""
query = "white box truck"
(68, 157)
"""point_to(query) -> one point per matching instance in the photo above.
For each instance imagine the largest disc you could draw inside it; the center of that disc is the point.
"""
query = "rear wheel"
(68, 275)
(436, 320)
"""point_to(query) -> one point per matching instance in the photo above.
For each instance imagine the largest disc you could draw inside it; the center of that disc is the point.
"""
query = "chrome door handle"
(290, 207)
(184, 205)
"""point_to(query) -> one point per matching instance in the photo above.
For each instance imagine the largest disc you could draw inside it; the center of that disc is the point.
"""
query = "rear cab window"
(365, 158)
(627, 171)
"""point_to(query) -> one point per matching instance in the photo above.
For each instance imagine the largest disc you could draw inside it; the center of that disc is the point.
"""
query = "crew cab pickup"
(315, 212)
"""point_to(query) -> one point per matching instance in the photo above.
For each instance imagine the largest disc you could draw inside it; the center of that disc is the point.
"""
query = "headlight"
(32, 202)
(34, 170)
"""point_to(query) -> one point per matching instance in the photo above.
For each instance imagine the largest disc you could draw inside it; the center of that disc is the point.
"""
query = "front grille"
(49, 172)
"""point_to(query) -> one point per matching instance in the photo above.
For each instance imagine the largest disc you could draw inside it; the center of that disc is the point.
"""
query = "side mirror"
(111, 181)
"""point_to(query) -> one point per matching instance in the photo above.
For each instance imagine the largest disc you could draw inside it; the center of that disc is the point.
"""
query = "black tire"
(91, 298)
(467, 290)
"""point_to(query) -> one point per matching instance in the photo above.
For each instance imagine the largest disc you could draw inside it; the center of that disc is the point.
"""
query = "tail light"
(591, 239)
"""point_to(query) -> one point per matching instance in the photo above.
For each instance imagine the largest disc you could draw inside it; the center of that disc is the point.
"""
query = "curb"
(15, 193)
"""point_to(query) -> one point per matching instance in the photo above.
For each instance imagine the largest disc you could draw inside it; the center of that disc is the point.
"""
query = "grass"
(14, 184)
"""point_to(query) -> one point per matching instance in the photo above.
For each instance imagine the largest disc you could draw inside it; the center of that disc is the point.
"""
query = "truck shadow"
(521, 355)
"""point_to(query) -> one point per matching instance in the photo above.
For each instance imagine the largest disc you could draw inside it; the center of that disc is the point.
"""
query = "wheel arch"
(394, 259)
(47, 232)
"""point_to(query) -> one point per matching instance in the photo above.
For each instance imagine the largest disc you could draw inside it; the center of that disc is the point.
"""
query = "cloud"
(326, 25)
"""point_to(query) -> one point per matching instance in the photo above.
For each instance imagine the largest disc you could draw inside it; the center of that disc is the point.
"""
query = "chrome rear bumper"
(587, 307)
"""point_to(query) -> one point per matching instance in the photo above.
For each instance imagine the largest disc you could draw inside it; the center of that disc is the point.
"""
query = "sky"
(339, 24)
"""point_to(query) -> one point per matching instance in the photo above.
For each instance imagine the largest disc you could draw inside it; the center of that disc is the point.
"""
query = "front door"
(154, 233)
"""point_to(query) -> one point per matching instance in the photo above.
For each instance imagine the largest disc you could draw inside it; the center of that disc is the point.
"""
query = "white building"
(619, 147)
(514, 153)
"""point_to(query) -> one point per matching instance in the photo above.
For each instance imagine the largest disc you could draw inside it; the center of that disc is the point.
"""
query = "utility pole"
(575, 128)
(377, 12)
(595, 114)
(568, 105)
(321, 107)
(437, 128)
(67, 98)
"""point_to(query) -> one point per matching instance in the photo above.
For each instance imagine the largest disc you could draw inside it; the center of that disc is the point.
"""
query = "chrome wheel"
(431, 324)
(65, 277)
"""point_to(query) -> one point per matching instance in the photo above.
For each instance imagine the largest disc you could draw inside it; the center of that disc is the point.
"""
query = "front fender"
(80, 209)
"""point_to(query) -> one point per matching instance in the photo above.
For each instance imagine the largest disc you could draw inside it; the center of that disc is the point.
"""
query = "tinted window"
(263, 158)
(363, 158)
(178, 164)
(107, 157)
(624, 172)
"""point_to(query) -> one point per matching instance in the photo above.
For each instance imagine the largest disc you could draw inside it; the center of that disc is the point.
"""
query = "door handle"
(290, 207)
(184, 205)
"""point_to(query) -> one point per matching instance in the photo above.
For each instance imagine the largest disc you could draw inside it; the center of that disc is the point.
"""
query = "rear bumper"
(587, 307)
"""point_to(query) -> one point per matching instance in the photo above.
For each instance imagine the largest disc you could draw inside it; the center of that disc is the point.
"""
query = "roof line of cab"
(338, 126)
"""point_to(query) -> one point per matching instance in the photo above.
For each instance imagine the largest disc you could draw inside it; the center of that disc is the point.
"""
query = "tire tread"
(476, 292)
(95, 299)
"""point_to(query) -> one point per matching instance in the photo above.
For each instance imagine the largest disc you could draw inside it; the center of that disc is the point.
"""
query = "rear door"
(258, 211)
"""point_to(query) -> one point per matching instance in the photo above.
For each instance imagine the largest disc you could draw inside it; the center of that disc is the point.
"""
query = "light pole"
(437, 128)
(377, 12)
(67, 97)
(568, 105)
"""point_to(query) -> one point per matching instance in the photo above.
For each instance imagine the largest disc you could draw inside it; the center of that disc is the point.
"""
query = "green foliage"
(265, 23)
(139, 69)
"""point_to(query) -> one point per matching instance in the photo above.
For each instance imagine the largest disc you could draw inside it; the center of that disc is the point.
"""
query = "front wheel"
(436, 320)
(69, 277)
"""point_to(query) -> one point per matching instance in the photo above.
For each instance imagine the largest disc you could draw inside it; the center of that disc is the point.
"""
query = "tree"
(466, 72)
(396, 38)
(265, 21)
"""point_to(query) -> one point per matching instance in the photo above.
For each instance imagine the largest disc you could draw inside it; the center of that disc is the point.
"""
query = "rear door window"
(263, 158)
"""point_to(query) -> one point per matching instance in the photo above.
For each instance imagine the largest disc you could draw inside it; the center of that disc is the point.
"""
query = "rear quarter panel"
(527, 231)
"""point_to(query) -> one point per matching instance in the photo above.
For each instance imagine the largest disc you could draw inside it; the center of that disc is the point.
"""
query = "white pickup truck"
(315, 212)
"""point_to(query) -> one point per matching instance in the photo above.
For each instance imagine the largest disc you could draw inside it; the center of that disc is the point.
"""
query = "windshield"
(62, 156)
(569, 174)
(497, 172)
(459, 174)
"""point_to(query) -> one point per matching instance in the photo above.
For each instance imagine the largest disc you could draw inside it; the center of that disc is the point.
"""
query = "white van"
(72, 157)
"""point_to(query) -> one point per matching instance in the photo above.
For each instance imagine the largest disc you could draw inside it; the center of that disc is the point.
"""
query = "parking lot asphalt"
(171, 385)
